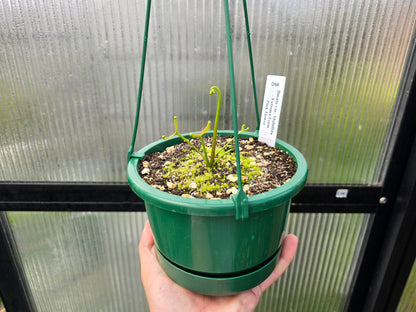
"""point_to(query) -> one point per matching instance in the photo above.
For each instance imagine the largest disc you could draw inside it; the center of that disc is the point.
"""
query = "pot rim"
(209, 207)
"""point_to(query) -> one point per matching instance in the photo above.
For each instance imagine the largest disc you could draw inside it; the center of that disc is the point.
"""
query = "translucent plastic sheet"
(68, 84)
(89, 261)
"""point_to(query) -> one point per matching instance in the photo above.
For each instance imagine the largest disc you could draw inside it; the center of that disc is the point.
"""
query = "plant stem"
(243, 129)
(200, 136)
(217, 117)
(182, 137)
(203, 151)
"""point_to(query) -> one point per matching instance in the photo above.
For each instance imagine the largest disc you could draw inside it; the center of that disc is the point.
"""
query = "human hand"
(165, 295)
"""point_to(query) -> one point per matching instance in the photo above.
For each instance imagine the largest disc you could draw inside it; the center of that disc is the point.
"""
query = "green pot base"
(217, 286)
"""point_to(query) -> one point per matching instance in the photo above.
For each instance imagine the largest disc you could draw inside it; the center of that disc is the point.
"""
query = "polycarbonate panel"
(89, 261)
(81, 261)
(69, 77)
(408, 300)
(320, 277)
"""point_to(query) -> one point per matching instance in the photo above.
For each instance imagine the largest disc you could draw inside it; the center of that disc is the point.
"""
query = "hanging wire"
(142, 66)
(253, 79)
(240, 199)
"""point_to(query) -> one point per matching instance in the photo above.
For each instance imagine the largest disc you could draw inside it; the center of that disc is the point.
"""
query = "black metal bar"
(337, 199)
(401, 246)
(368, 289)
(13, 288)
(68, 197)
(398, 252)
(119, 197)
(66, 192)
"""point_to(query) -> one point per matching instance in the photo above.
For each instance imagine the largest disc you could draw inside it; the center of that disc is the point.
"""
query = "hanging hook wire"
(142, 67)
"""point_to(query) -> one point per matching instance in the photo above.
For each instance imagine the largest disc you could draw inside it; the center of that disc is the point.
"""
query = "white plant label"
(272, 105)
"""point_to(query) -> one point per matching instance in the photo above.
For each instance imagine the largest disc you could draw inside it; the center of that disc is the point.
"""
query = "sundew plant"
(213, 155)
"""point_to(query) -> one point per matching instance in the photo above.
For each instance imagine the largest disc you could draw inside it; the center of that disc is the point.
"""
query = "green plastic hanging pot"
(216, 247)
(202, 244)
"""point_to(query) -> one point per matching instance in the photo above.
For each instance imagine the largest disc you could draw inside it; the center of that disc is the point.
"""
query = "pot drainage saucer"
(217, 285)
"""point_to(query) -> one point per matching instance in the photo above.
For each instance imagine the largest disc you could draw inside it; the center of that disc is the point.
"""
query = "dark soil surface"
(276, 168)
